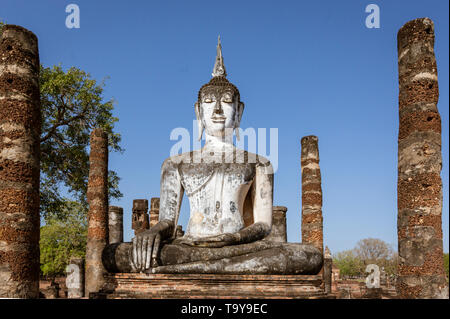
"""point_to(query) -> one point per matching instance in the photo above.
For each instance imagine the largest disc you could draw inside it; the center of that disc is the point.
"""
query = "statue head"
(219, 108)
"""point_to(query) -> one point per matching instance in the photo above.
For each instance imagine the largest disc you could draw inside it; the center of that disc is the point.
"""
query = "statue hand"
(218, 240)
(146, 245)
(145, 250)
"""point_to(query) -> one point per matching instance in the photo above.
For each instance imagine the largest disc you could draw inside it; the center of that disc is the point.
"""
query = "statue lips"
(218, 119)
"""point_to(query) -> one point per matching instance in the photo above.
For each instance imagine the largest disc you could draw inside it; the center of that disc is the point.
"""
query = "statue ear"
(237, 118)
(199, 120)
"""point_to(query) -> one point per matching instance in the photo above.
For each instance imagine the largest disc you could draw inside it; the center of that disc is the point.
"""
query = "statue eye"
(227, 99)
(207, 100)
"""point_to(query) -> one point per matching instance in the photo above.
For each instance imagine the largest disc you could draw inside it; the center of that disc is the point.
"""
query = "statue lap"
(260, 257)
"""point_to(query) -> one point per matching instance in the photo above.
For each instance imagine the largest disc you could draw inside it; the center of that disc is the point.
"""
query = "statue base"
(207, 286)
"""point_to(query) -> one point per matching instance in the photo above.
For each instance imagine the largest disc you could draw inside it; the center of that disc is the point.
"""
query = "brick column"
(115, 224)
(154, 211)
(327, 270)
(97, 196)
(75, 278)
(140, 221)
(419, 202)
(20, 129)
(312, 228)
(278, 232)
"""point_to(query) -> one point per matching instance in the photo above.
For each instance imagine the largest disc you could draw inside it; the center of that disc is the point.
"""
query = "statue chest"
(216, 195)
(215, 177)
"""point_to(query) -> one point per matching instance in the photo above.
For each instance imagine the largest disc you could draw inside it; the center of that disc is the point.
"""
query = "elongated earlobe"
(237, 119)
(199, 121)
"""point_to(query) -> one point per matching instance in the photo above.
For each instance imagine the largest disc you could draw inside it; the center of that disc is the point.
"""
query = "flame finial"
(219, 67)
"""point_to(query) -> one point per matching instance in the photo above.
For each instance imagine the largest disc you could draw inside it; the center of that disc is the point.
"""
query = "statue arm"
(146, 245)
(262, 193)
(171, 193)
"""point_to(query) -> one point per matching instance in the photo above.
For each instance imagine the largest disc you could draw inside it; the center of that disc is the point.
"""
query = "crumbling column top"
(280, 208)
(309, 139)
(310, 148)
(116, 209)
(27, 38)
(415, 30)
(140, 205)
(154, 203)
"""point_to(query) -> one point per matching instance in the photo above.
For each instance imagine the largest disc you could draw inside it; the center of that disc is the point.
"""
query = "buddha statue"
(230, 194)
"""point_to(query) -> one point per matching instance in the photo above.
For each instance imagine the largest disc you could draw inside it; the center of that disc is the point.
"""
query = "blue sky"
(304, 67)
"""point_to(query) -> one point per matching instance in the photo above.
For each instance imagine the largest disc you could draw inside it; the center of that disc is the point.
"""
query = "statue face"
(218, 112)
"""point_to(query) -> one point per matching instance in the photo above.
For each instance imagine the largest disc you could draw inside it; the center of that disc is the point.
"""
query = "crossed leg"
(262, 257)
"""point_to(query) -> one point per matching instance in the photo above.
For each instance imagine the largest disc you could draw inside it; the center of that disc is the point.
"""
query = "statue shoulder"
(259, 160)
(264, 164)
(173, 162)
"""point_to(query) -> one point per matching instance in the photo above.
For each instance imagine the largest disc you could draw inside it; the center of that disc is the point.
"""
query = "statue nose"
(218, 108)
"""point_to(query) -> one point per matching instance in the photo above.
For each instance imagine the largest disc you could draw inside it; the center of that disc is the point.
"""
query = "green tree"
(378, 252)
(390, 265)
(61, 238)
(367, 251)
(72, 105)
(348, 263)
(372, 250)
